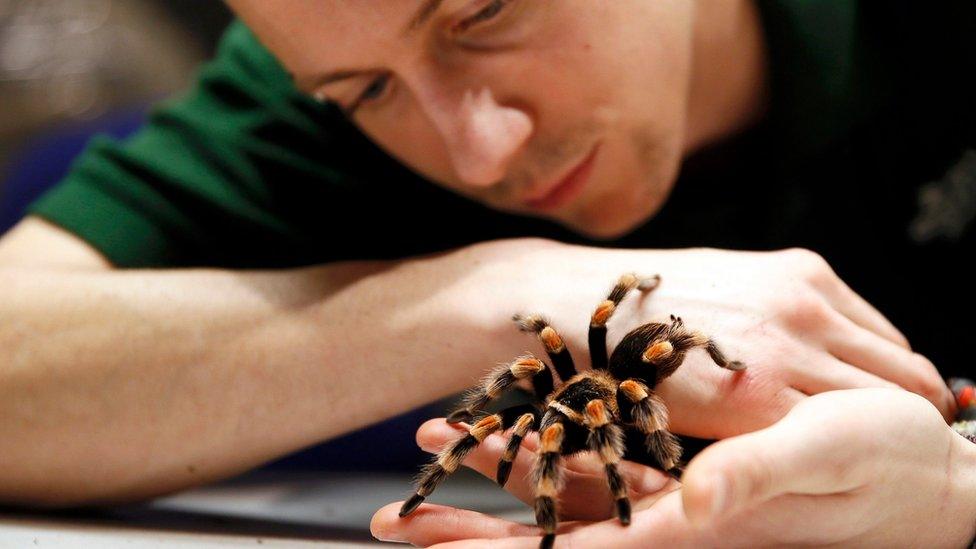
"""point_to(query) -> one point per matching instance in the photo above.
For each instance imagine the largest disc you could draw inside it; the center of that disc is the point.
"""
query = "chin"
(607, 232)
(616, 216)
(603, 226)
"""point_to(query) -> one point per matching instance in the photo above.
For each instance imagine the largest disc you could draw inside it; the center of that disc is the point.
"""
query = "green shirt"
(871, 102)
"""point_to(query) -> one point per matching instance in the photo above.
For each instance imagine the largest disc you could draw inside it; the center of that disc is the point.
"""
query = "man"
(571, 117)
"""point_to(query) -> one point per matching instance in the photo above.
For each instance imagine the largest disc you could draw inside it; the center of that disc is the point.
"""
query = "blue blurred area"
(387, 446)
(44, 161)
(45, 158)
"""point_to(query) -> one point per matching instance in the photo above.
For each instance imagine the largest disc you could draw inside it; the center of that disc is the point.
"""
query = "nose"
(481, 135)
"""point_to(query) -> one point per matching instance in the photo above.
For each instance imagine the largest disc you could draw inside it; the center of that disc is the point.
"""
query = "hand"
(786, 314)
(584, 498)
(867, 467)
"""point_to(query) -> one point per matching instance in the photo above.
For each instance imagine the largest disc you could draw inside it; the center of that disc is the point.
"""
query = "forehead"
(306, 33)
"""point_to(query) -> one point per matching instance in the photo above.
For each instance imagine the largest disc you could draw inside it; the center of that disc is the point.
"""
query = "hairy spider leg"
(607, 440)
(562, 361)
(668, 352)
(511, 415)
(548, 477)
(648, 414)
(664, 347)
(718, 357)
(712, 348)
(598, 322)
(500, 379)
(523, 425)
(449, 459)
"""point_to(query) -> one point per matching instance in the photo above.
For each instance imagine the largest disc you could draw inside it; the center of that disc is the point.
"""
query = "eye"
(375, 91)
(487, 13)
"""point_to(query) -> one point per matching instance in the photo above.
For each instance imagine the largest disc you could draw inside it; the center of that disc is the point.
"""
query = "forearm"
(123, 385)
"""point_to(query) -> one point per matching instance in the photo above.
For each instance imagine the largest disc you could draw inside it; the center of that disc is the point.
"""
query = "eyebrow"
(310, 83)
(426, 11)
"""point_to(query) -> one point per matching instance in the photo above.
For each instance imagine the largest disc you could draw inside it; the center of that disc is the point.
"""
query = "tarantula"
(586, 411)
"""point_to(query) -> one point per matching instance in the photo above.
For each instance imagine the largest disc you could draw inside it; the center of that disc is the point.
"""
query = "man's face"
(571, 110)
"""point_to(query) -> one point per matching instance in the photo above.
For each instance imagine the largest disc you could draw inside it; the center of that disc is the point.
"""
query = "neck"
(728, 91)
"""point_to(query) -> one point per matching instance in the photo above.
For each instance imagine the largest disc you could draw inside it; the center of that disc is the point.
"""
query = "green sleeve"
(225, 175)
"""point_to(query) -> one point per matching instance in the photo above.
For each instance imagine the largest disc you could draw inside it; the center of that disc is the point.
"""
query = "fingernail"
(393, 536)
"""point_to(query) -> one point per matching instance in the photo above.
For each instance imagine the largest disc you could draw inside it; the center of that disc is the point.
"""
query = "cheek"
(624, 67)
(641, 53)
(411, 139)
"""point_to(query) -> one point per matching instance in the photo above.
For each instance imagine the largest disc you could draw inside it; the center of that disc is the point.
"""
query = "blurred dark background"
(69, 68)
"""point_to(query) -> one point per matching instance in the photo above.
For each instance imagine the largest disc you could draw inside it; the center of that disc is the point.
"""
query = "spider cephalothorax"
(585, 411)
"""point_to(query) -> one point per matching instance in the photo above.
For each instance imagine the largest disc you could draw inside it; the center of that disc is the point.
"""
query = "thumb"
(743, 471)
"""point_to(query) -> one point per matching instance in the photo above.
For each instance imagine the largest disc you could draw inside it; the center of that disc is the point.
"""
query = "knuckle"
(924, 364)
(929, 382)
(902, 341)
(804, 257)
(803, 312)
(808, 262)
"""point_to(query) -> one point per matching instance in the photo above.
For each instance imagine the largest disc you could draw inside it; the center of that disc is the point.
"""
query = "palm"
(585, 500)
(818, 476)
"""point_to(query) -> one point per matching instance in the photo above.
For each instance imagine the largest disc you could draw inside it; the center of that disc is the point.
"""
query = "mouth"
(560, 193)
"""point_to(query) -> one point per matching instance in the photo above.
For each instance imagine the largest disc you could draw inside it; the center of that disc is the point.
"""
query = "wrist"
(504, 279)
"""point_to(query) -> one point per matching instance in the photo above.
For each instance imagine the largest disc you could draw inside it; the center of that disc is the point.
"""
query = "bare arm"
(127, 384)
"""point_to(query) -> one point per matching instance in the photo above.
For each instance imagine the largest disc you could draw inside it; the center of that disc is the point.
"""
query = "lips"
(555, 195)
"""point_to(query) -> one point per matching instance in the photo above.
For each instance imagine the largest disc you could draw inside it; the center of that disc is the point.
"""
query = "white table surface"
(259, 510)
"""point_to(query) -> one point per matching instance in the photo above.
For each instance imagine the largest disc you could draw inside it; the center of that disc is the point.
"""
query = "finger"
(800, 455)
(509, 543)
(436, 433)
(830, 374)
(431, 524)
(848, 303)
(586, 493)
(777, 521)
(869, 352)
(663, 526)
